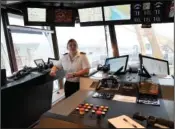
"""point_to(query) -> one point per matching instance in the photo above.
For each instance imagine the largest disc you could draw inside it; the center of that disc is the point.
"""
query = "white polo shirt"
(79, 62)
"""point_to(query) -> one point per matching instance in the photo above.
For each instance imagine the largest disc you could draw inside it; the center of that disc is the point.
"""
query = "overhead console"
(49, 15)
(142, 12)
(128, 13)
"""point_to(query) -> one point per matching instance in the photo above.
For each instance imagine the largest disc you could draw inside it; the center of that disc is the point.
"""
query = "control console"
(90, 111)
(103, 95)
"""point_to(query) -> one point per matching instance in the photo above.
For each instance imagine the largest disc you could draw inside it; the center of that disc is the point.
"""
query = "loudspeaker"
(3, 77)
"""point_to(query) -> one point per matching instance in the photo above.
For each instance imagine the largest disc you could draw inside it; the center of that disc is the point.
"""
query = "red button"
(81, 109)
(100, 109)
(95, 109)
(98, 112)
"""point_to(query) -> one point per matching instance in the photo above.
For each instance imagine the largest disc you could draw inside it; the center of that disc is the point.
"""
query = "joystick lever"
(152, 121)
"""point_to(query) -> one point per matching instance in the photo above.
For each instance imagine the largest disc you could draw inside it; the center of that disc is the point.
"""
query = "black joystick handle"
(164, 122)
(151, 120)
(138, 116)
(40, 67)
(50, 64)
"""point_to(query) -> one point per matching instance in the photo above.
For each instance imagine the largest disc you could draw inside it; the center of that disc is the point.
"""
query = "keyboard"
(148, 99)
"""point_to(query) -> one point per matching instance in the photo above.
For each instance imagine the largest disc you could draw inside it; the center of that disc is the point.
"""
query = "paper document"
(124, 122)
(166, 81)
(125, 98)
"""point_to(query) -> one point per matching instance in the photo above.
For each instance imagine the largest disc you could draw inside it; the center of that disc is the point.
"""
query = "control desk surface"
(116, 108)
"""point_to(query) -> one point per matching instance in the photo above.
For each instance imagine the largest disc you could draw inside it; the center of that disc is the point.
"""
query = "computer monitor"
(52, 60)
(90, 14)
(117, 62)
(154, 65)
(36, 14)
(117, 12)
(39, 62)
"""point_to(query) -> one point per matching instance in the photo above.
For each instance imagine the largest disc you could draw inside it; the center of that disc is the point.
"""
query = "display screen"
(36, 14)
(118, 12)
(171, 10)
(109, 82)
(154, 66)
(39, 62)
(90, 14)
(63, 16)
(117, 63)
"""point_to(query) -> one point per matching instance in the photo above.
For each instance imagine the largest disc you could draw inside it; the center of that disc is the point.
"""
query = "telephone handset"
(109, 82)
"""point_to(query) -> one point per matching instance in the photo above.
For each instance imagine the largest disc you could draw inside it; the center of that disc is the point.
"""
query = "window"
(15, 19)
(128, 43)
(4, 54)
(157, 42)
(29, 47)
(18, 20)
(91, 40)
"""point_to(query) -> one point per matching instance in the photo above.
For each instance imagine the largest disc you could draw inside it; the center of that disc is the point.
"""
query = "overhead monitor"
(52, 60)
(171, 10)
(36, 14)
(39, 62)
(117, 12)
(154, 65)
(90, 14)
(64, 16)
(117, 62)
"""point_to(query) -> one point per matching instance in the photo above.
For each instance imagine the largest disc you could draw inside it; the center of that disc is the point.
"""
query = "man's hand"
(69, 75)
(53, 73)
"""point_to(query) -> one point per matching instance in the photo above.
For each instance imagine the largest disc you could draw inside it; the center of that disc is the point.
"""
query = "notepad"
(123, 98)
(124, 122)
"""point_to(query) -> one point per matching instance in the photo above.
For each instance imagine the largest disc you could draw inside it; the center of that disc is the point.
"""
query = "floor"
(56, 97)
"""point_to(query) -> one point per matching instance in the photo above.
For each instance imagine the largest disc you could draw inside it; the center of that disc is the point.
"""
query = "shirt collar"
(77, 55)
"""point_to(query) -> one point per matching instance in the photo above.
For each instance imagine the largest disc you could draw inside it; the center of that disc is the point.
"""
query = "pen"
(129, 123)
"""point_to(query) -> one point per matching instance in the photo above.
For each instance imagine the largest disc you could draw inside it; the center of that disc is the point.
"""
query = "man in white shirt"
(75, 64)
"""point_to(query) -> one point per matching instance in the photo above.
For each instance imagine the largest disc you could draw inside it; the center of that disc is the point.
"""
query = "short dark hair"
(72, 40)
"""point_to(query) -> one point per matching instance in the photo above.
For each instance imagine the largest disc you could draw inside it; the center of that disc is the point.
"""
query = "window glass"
(128, 43)
(4, 54)
(19, 20)
(15, 19)
(29, 47)
(157, 42)
(91, 40)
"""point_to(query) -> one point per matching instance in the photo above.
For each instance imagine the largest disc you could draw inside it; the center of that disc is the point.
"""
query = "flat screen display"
(117, 12)
(171, 10)
(117, 63)
(154, 66)
(36, 14)
(90, 14)
(63, 16)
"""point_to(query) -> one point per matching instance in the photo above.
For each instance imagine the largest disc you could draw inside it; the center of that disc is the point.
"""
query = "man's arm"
(85, 66)
(55, 68)
(81, 72)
